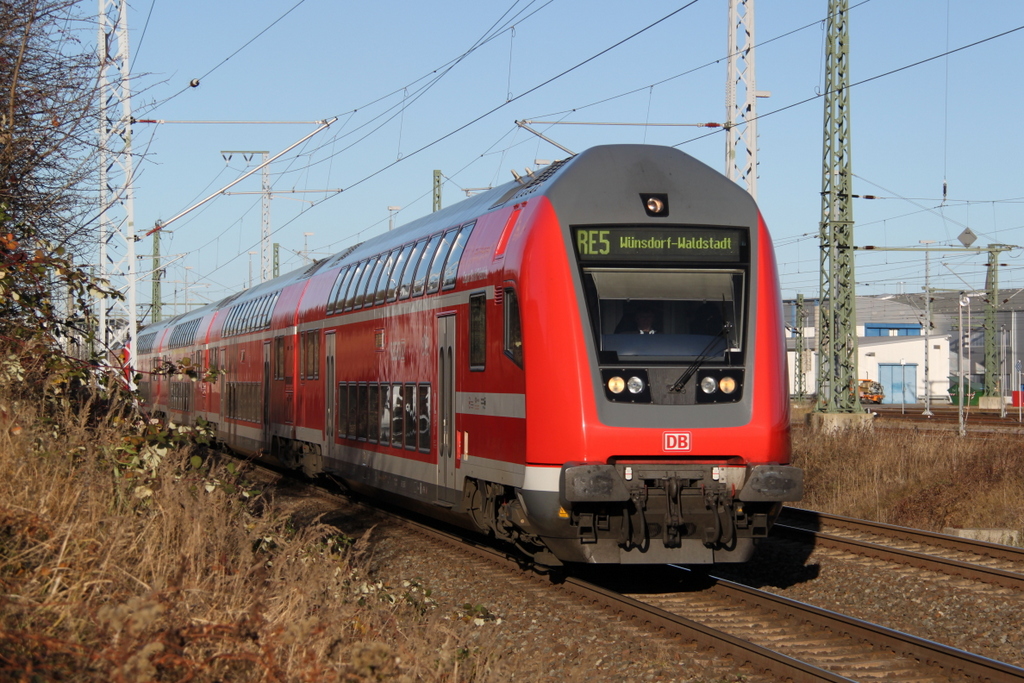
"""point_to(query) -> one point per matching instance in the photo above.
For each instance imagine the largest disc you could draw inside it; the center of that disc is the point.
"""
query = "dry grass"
(176, 575)
(925, 480)
(193, 582)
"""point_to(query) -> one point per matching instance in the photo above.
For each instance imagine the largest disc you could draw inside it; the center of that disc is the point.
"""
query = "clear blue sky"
(413, 95)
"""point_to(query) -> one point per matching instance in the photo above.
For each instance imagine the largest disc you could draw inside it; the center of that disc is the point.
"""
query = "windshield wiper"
(704, 355)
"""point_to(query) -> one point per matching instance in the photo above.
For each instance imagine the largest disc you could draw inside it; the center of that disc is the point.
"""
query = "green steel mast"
(837, 343)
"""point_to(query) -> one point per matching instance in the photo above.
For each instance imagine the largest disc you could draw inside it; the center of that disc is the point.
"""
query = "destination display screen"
(657, 243)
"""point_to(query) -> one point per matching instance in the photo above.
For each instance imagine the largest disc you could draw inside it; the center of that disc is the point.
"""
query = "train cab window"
(397, 416)
(513, 327)
(437, 265)
(412, 261)
(357, 277)
(451, 268)
(423, 417)
(396, 274)
(477, 331)
(419, 285)
(385, 277)
(666, 314)
(409, 414)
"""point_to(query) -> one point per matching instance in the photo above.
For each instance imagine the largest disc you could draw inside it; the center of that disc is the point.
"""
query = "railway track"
(989, 563)
(767, 637)
(947, 418)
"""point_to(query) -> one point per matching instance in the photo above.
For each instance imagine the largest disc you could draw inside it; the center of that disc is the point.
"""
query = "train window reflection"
(666, 314)
(437, 265)
(405, 289)
(420, 283)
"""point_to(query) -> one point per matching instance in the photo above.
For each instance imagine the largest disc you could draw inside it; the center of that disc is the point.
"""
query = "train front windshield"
(664, 314)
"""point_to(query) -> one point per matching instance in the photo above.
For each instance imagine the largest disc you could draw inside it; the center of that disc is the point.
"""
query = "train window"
(350, 293)
(513, 327)
(364, 294)
(289, 366)
(259, 320)
(256, 313)
(310, 355)
(345, 291)
(385, 414)
(412, 261)
(419, 285)
(362, 406)
(264, 316)
(373, 413)
(342, 412)
(239, 326)
(477, 331)
(338, 291)
(692, 312)
(437, 265)
(451, 269)
(396, 274)
(385, 277)
(397, 416)
(279, 358)
(423, 417)
(409, 403)
(352, 431)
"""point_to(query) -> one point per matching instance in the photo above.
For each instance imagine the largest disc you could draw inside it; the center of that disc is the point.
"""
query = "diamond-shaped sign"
(967, 237)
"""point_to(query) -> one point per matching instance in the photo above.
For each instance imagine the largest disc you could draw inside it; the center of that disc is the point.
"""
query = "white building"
(892, 349)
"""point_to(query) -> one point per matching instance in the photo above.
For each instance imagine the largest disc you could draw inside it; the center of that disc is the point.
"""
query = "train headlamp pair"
(634, 384)
(710, 385)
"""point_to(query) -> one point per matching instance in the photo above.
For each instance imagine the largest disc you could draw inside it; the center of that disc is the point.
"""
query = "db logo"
(676, 441)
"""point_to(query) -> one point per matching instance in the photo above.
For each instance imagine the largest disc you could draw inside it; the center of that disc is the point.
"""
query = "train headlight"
(616, 385)
(635, 385)
(727, 385)
(708, 385)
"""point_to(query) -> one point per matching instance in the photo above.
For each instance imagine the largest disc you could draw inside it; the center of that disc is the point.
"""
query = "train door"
(445, 403)
(222, 389)
(331, 389)
(265, 413)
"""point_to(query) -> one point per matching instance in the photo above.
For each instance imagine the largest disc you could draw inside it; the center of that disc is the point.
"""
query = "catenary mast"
(837, 341)
(116, 318)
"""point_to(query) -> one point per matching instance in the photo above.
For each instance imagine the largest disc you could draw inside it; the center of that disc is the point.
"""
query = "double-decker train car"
(587, 363)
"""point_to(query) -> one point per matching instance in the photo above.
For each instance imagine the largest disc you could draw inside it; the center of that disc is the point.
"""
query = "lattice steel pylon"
(116, 318)
(837, 330)
(741, 98)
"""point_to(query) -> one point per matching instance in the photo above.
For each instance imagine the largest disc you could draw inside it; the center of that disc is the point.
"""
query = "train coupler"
(721, 530)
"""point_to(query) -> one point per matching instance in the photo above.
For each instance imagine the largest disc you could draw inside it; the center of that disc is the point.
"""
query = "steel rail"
(804, 526)
(952, 661)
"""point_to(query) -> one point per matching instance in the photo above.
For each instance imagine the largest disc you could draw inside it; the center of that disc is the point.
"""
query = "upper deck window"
(451, 268)
(437, 265)
(413, 261)
(419, 284)
(396, 274)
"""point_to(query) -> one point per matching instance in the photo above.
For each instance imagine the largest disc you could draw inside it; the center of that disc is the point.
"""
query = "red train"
(587, 363)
